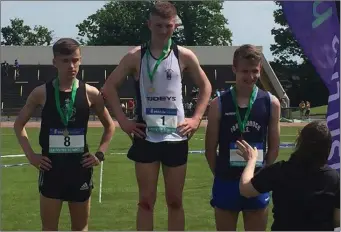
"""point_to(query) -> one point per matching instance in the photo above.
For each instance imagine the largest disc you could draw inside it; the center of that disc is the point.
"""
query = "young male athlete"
(65, 164)
(242, 112)
(161, 132)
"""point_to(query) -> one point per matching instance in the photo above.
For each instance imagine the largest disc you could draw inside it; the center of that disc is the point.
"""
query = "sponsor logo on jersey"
(161, 98)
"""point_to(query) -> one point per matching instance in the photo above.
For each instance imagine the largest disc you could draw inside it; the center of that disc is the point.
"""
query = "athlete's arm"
(126, 67)
(102, 113)
(199, 78)
(273, 131)
(265, 180)
(35, 99)
(212, 133)
(114, 81)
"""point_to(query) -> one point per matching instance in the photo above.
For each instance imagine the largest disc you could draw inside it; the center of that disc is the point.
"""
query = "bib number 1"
(161, 120)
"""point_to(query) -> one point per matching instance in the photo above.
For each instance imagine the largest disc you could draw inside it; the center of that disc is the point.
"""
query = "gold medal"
(151, 90)
(65, 132)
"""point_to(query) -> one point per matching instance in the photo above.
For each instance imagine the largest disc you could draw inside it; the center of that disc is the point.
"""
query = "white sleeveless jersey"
(161, 109)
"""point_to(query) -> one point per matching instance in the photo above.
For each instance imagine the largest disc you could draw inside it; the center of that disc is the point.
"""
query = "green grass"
(319, 110)
(20, 198)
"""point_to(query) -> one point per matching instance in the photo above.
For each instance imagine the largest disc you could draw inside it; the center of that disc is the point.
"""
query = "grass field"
(20, 199)
(319, 110)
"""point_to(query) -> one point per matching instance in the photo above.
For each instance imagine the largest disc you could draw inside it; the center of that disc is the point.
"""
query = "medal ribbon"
(165, 50)
(242, 124)
(65, 117)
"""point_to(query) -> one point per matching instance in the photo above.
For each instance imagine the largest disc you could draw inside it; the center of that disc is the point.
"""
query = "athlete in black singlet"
(65, 165)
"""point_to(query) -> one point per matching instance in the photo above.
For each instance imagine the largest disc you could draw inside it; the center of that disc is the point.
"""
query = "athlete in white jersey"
(160, 134)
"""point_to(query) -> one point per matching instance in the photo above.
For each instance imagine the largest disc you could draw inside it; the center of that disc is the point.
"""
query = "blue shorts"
(226, 196)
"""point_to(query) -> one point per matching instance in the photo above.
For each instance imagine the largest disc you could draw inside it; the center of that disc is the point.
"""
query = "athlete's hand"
(189, 126)
(246, 151)
(89, 160)
(42, 163)
(133, 128)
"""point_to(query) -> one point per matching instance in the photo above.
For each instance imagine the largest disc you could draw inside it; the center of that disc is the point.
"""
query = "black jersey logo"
(65, 108)
(169, 74)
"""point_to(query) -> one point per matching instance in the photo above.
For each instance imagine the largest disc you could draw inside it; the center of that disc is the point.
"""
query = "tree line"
(120, 23)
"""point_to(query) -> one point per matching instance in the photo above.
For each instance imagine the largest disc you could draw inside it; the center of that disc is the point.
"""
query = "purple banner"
(316, 27)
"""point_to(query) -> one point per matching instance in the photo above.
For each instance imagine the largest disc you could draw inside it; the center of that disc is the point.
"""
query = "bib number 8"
(67, 142)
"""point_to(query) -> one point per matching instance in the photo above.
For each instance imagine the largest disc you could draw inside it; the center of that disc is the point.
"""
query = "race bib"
(161, 120)
(72, 143)
(238, 161)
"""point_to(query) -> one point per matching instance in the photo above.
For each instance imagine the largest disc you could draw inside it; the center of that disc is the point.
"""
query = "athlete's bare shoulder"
(38, 95)
(187, 57)
(133, 55)
(131, 60)
(92, 93)
(188, 53)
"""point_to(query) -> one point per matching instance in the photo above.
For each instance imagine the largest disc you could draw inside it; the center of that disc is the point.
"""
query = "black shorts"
(66, 181)
(171, 154)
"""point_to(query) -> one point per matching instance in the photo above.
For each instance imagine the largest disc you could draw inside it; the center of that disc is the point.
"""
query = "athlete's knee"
(147, 203)
(174, 202)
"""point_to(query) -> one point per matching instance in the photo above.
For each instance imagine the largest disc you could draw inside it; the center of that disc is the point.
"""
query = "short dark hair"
(65, 46)
(247, 52)
(163, 9)
(312, 146)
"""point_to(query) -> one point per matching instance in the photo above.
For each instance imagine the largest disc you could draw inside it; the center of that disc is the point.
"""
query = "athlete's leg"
(255, 212)
(79, 213)
(49, 213)
(147, 177)
(174, 178)
(51, 198)
(174, 159)
(226, 201)
(78, 194)
(255, 220)
(225, 220)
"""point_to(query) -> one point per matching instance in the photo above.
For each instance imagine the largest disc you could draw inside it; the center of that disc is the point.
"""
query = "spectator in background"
(302, 107)
(307, 110)
(124, 107)
(5, 67)
(16, 68)
(131, 106)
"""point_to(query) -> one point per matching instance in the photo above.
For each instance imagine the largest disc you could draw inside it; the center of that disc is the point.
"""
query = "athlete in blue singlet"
(256, 120)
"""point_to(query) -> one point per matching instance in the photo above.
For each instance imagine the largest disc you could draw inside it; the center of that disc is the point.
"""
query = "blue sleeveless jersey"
(228, 164)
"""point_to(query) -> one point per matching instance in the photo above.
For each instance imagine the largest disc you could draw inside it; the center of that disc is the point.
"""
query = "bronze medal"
(65, 132)
(151, 90)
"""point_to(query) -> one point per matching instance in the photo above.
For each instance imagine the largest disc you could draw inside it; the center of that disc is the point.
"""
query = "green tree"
(17, 33)
(124, 23)
(290, 61)
(286, 46)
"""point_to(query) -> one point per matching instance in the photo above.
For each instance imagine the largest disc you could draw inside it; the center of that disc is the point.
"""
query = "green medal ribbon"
(65, 116)
(165, 50)
(242, 124)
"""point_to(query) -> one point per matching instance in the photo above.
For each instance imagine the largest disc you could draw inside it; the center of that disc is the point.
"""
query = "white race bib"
(238, 161)
(73, 143)
(161, 120)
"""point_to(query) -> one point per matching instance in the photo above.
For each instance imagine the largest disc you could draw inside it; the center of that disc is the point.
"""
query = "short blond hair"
(247, 52)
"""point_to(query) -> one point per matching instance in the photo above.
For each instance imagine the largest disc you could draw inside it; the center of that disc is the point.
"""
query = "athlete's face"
(161, 28)
(68, 65)
(247, 72)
